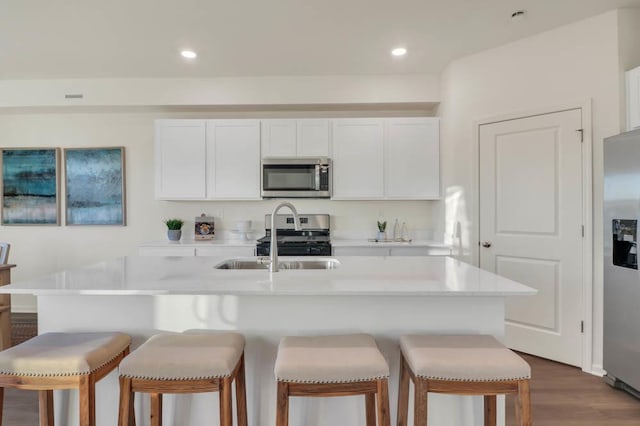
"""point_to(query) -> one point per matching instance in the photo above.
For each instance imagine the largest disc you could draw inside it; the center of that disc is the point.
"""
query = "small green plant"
(382, 226)
(174, 224)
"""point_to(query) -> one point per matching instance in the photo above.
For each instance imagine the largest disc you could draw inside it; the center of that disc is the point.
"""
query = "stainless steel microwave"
(302, 177)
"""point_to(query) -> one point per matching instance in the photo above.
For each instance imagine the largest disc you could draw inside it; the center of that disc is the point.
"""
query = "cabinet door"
(412, 159)
(360, 251)
(278, 138)
(180, 159)
(233, 159)
(357, 147)
(226, 251)
(633, 99)
(313, 138)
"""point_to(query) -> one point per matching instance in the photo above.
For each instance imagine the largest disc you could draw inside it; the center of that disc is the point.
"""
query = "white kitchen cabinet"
(180, 159)
(386, 159)
(361, 251)
(233, 159)
(412, 158)
(358, 159)
(228, 251)
(295, 138)
(207, 159)
(391, 251)
(633, 99)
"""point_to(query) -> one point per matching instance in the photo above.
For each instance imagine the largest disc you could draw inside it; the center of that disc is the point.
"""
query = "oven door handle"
(317, 177)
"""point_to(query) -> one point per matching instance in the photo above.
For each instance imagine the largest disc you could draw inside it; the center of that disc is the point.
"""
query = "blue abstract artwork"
(30, 187)
(95, 186)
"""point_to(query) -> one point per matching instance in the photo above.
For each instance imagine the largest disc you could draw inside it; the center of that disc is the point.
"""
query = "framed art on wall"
(30, 186)
(95, 186)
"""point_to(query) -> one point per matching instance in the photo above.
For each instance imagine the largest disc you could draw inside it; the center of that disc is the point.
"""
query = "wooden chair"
(53, 361)
(461, 365)
(192, 362)
(332, 366)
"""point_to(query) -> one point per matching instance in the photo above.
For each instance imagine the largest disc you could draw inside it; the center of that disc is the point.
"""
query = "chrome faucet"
(273, 266)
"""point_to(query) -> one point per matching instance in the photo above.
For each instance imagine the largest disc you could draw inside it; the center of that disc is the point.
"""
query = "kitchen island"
(383, 296)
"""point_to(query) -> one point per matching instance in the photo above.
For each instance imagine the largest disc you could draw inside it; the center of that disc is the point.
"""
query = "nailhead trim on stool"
(192, 362)
(53, 361)
(462, 365)
(324, 366)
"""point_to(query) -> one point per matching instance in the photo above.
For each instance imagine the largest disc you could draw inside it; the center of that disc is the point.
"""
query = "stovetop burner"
(312, 240)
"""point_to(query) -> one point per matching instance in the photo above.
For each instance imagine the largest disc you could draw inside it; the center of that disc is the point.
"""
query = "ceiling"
(142, 38)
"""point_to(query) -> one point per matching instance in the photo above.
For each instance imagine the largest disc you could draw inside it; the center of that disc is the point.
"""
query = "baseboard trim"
(597, 370)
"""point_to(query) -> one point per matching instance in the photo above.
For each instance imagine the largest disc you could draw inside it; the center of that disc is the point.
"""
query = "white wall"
(39, 250)
(565, 66)
(629, 50)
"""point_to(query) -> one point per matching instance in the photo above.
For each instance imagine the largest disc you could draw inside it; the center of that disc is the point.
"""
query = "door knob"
(486, 244)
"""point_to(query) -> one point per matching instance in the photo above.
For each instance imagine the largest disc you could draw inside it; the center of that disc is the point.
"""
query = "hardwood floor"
(560, 395)
(565, 396)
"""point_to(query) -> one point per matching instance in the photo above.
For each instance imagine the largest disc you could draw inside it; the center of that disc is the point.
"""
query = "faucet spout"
(273, 251)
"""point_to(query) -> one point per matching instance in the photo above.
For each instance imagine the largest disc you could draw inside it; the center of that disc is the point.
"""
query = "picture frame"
(95, 186)
(30, 193)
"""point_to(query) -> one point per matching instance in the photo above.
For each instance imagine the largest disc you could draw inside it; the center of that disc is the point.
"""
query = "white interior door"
(531, 227)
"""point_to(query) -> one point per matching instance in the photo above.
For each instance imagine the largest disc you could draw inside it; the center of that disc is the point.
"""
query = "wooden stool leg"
(45, 403)
(226, 415)
(124, 411)
(1, 404)
(87, 391)
(384, 419)
(241, 395)
(523, 404)
(490, 415)
(156, 409)
(420, 402)
(403, 392)
(370, 407)
(282, 404)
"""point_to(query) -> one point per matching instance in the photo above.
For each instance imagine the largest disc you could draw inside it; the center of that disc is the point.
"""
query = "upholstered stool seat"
(192, 362)
(63, 361)
(332, 366)
(461, 364)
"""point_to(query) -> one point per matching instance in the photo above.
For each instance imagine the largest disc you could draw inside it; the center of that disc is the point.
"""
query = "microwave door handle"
(317, 177)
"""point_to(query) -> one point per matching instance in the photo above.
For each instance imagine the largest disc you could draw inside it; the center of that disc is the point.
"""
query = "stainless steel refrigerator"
(621, 275)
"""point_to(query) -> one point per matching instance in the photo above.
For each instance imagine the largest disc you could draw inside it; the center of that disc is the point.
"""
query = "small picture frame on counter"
(204, 228)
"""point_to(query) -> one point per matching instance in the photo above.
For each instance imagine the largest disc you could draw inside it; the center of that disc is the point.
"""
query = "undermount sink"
(261, 263)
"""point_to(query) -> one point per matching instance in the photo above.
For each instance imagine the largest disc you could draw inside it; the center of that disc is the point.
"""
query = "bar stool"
(462, 365)
(332, 366)
(192, 362)
(54, 361)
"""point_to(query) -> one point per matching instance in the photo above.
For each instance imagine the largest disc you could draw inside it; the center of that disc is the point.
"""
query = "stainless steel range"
(314, 239)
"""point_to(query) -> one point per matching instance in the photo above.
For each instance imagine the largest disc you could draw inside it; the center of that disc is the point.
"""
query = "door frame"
(587, 212)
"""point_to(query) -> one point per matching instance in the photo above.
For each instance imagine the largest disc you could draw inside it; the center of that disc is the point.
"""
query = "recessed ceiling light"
(399, 51)
(189, 54)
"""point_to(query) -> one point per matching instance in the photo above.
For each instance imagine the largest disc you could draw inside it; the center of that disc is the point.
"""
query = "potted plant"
(174, 229)
(382, 227)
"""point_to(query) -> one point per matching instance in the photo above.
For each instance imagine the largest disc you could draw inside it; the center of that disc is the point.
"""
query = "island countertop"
(365, 276)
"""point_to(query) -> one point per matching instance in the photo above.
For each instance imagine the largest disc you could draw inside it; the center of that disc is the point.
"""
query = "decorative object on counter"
(243, 229)
(95, 186)
(204, 228)
(396, 231)
(382, 226)
(30, 183)
(174, 229)
(404, 232)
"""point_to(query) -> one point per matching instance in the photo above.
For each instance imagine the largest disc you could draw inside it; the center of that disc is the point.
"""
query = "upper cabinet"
(180, 159)
(207, 159)
(633, 99)
(358, 159)
(233, 159)
(386, 159)
(295, 138)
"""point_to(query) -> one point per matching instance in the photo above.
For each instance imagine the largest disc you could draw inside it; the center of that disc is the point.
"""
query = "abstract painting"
(30, 186)
(95, 186)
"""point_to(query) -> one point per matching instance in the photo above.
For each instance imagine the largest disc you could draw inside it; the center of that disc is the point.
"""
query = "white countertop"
(203, 243)
(334, 242)
(356, 276)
